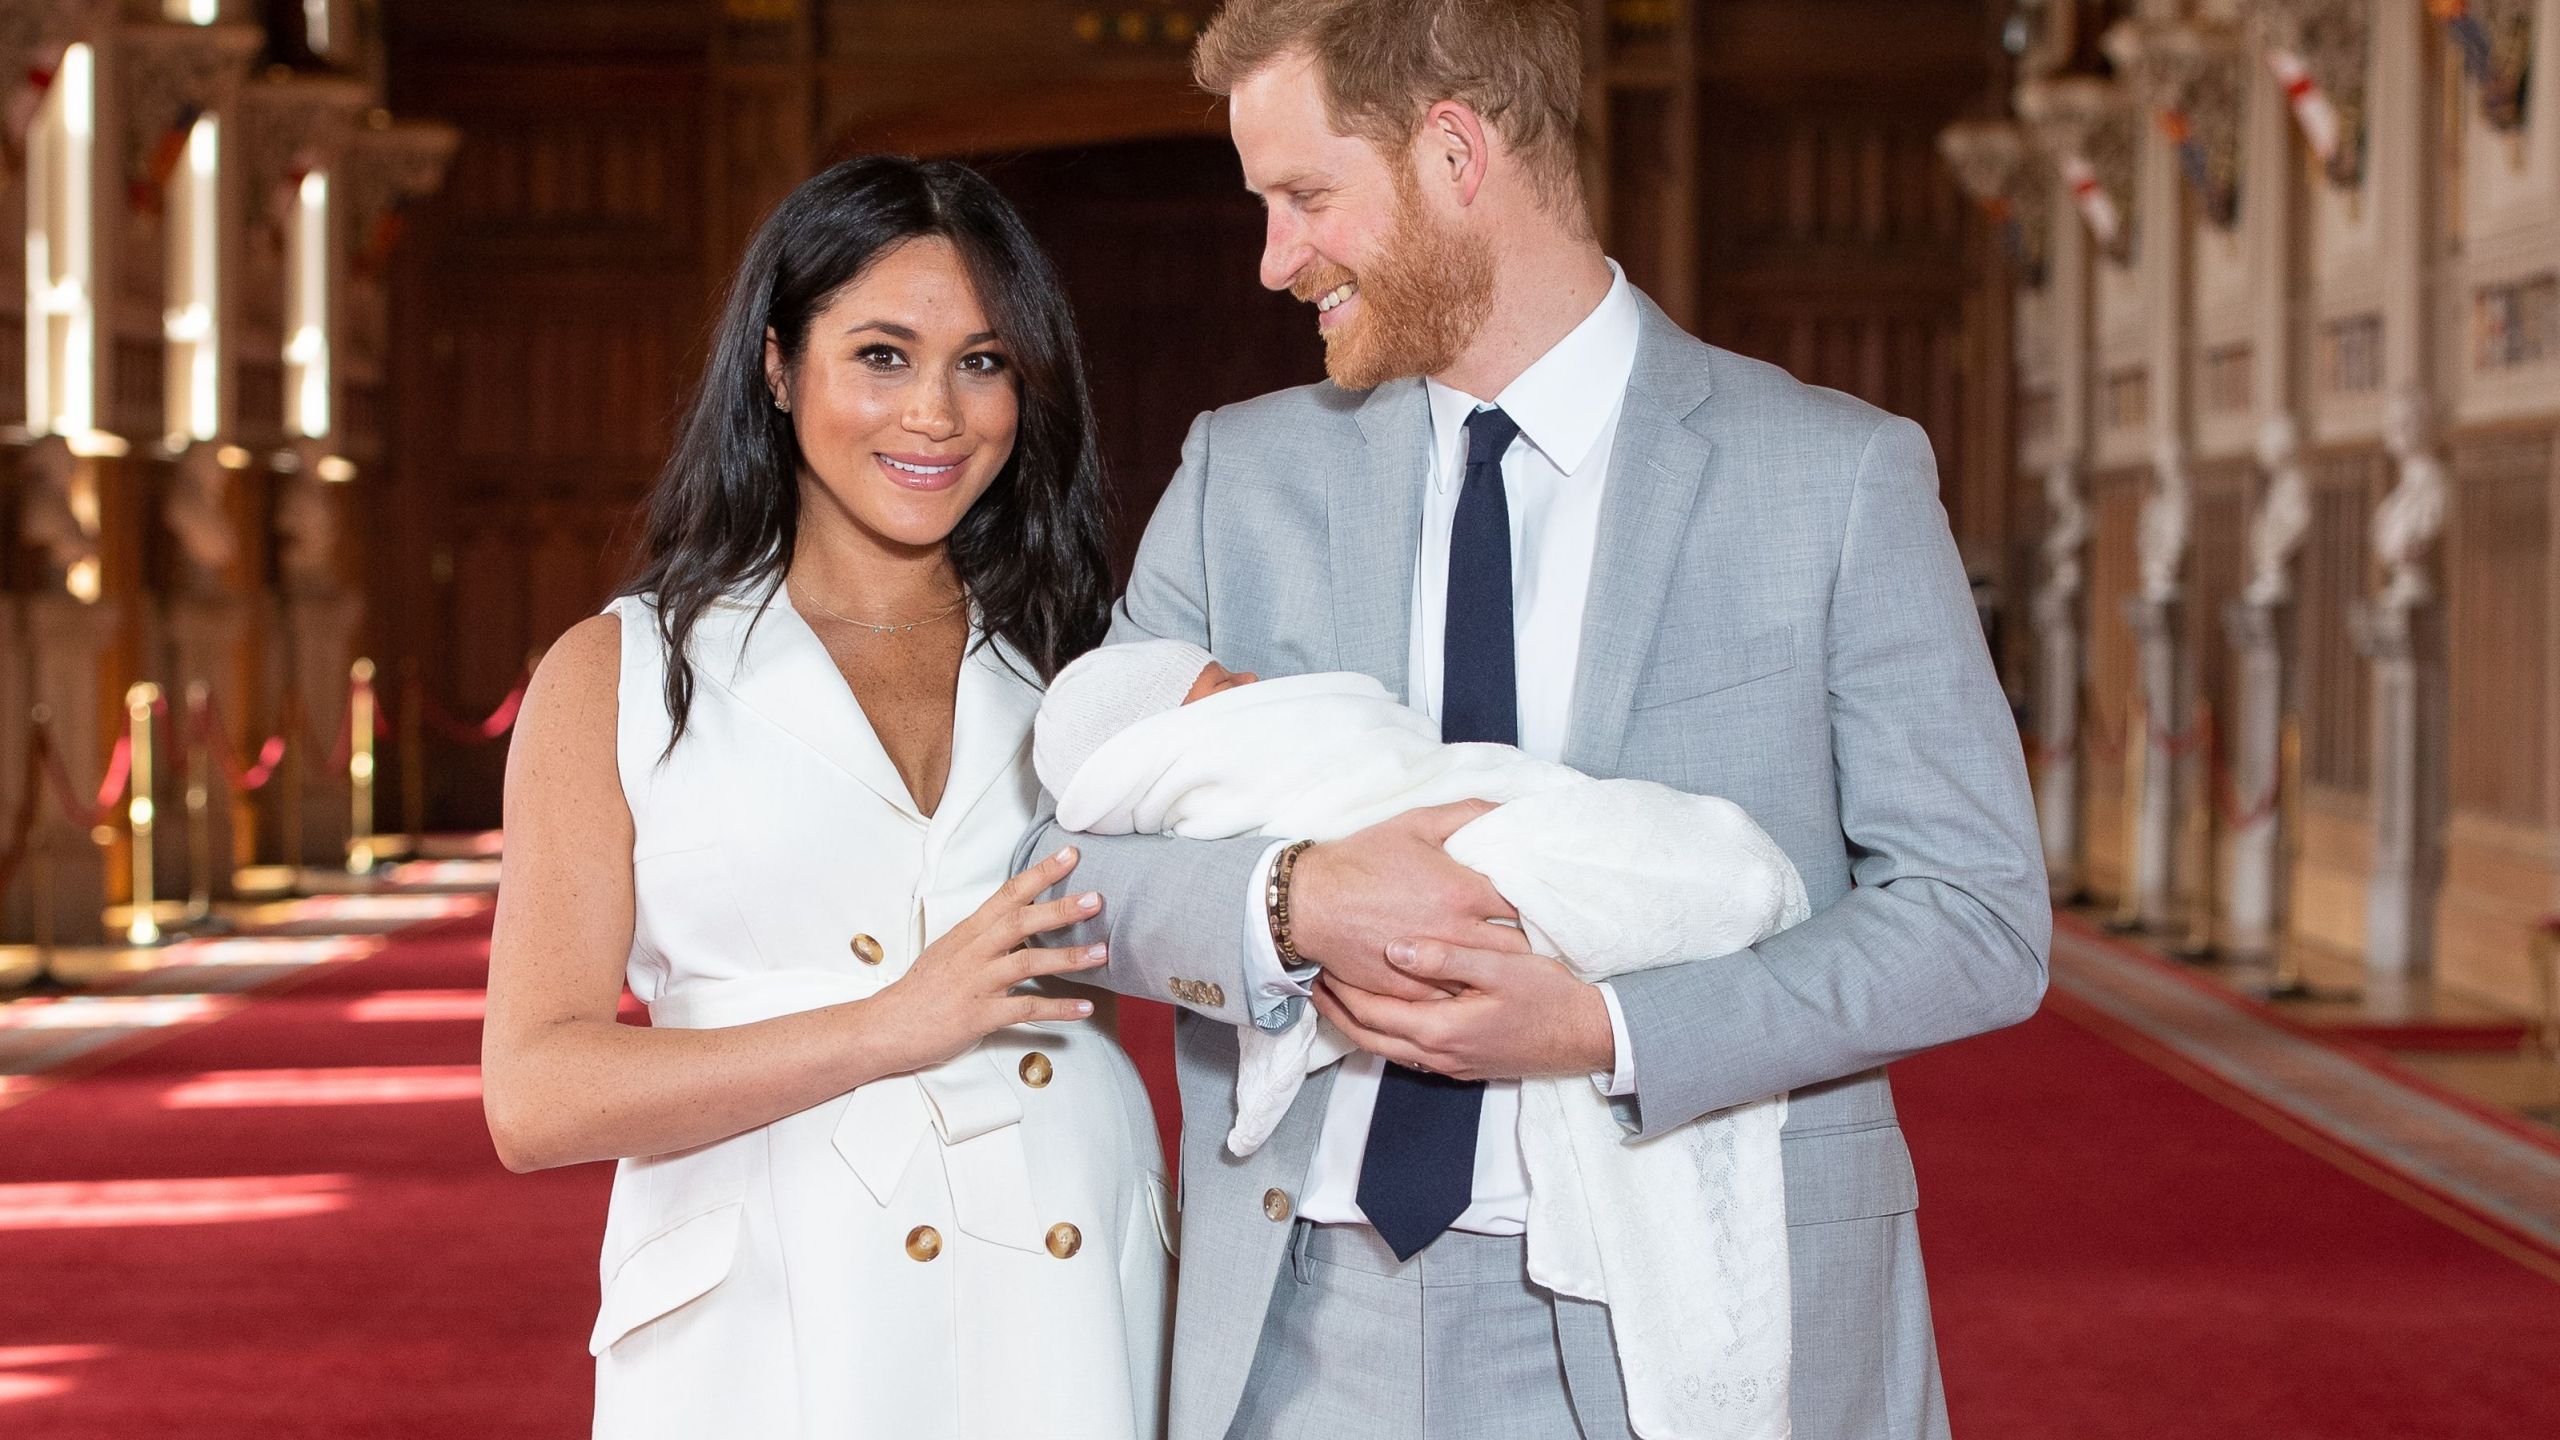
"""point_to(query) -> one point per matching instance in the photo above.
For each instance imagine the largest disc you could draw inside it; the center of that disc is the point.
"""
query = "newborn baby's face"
(1215, 677)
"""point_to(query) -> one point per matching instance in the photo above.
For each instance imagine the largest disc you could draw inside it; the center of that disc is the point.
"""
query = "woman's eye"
(985, 362)
(880, 357)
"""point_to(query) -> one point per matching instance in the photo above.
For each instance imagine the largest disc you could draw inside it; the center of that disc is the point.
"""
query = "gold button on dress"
(1036, 1070)
(1065, 1240)
(924, 1242)
(1275, 1203)
(866, 950)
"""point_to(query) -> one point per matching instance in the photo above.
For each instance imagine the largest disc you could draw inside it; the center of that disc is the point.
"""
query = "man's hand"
(1353, 895)
(1511, 1015)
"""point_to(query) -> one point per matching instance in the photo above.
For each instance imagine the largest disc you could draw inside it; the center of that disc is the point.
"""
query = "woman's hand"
(961, 988)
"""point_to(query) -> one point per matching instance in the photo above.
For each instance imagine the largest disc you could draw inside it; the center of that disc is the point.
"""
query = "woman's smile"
(922, 472)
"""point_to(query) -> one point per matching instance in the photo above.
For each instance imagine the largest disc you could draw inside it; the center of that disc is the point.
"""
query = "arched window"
(61, 322)
(193, 323)
(306, 346)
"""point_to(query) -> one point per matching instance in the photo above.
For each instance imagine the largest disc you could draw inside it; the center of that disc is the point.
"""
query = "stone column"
(2059, 117)
(2161, 59)
(2252, 897)
(319, 613)
(2403, 626)
(68, 630)
(2255, 888)
(2153, 617)
(2402, 633)
(2057, 618)
(203, 619)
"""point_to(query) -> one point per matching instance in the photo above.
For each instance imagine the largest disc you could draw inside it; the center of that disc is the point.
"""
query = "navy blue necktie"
(1417, 1174)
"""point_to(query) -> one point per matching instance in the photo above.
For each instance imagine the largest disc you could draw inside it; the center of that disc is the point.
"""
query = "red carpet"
(2113, 1253)
(403, 1286)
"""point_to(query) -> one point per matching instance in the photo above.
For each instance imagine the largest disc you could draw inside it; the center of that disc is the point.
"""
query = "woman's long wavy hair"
(726, 510)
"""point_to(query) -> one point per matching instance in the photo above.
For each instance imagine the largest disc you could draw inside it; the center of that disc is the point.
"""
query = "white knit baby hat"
(1104, 693)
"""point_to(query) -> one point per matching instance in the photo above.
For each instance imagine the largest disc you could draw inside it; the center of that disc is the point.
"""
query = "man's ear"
(776, 379)
(1457, 152)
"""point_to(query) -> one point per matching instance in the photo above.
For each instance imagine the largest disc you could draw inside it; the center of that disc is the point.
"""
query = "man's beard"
(1421, 301)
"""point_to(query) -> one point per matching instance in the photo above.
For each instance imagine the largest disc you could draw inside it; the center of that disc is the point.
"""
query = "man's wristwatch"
(1275, 903)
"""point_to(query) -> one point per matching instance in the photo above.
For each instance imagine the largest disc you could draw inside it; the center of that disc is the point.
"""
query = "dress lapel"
(763, 653)
(1656, 469)
(1373, 526)
(991, 722)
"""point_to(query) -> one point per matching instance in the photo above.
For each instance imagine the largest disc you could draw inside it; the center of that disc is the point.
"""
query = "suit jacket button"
(1036, 1070)
(923, 1243)
(1065, 1240)
(1275, 1203)
(866, 950)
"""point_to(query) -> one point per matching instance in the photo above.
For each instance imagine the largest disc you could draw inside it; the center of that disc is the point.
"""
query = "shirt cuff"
(1274, 993)
(1622, 1080)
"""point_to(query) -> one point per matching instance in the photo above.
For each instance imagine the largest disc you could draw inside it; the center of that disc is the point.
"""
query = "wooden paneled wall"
(2334, 700)
(1159, 245)
(550, 313)
(2337, 573)
(2499, 568)
(1832, 242)
(2500, 627)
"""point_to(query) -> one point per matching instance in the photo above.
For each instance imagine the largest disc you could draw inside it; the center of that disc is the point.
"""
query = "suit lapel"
(769, 658)
(1373, 526)
(1656, 469)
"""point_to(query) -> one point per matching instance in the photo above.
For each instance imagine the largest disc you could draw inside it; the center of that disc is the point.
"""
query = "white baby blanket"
(1682, 1236)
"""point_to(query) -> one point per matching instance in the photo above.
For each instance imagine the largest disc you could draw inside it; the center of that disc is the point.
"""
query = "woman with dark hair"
(884, 1173)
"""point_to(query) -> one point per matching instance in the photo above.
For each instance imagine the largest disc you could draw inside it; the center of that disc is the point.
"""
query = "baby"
(1609, 876)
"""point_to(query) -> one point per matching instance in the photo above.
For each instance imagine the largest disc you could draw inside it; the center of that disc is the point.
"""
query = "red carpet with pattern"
(288, 1223)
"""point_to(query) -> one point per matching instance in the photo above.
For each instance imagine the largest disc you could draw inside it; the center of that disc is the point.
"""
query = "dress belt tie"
(966, 1103)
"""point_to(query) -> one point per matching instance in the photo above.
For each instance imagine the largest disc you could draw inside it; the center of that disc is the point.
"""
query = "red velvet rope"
(111, 788)
(462, 732)
(246, 778)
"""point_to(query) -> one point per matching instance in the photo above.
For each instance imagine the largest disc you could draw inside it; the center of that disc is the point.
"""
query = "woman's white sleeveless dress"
(976, 1250)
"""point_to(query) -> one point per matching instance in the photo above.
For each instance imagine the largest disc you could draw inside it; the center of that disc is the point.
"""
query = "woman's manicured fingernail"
(1063, 856)
(1088, 901)
(1400, 951)
(1097, 953)
(1084, 1007)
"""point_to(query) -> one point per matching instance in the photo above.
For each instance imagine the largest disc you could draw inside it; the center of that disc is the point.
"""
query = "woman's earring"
(781, 404)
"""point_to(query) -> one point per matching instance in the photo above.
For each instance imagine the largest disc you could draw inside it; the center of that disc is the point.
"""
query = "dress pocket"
(668, 1270)
(672, 1233)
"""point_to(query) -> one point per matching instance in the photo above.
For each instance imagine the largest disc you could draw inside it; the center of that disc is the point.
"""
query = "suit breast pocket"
(1693, 671)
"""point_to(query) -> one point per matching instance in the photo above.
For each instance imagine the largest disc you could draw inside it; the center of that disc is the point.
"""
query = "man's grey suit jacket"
(1777, 616)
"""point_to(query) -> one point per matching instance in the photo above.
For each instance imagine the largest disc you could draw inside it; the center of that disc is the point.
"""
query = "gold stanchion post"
(144, 927)
(360, 768)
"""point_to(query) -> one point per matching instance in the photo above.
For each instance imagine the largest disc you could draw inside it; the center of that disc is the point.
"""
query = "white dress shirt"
(1566, 405)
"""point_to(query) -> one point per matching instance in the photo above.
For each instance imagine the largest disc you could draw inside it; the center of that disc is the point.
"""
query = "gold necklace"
(878, 629)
